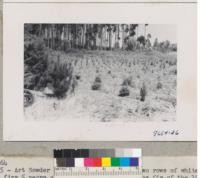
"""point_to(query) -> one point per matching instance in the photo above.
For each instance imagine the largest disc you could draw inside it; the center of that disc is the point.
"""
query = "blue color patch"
(124, 162)
(134, 162)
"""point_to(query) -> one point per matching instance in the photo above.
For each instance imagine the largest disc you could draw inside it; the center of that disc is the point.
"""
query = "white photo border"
(16, 128)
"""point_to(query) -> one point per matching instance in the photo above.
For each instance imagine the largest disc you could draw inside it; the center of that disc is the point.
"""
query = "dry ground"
(158, 71)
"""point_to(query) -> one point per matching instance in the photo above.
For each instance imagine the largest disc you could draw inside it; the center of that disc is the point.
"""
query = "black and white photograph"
(87, 72)
(100, 72)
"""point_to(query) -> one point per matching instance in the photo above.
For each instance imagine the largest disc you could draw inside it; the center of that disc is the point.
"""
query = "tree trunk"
(52, 36)
(84, 35)
(122, 36)
(75, 36)
(116, 37)
(101, 37)
(40, 29)
(68, 32)
(110, 39)
(48, 36)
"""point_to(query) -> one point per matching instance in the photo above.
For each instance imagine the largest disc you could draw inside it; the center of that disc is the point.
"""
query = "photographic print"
(100, 72)
(73, 73)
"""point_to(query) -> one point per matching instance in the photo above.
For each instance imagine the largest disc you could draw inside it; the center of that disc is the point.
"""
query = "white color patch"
(79, 162)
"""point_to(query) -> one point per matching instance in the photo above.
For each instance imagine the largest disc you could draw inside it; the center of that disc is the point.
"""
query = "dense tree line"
(95, 36)
(87, 36)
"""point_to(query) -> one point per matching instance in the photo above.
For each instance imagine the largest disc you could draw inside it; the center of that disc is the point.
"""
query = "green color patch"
(115, 162)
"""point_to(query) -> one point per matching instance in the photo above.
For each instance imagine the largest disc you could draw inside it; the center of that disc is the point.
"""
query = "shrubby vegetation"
(97, 83)
(40, 72)
(143, 92)
(124, 92)
(164, 46)
(35, 62)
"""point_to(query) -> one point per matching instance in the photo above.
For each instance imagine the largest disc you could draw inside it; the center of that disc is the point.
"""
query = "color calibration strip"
(98, 162)
(94, 153)
(98, 158)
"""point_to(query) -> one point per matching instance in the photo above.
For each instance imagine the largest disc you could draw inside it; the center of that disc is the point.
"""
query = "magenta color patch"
(88, 162)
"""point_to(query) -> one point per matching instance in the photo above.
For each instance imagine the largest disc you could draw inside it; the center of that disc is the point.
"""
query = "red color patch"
(97, 162)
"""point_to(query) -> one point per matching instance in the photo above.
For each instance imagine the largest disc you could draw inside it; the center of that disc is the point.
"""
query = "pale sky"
(162, 32)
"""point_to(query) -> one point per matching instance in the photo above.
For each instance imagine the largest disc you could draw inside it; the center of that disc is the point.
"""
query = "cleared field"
(125, 77)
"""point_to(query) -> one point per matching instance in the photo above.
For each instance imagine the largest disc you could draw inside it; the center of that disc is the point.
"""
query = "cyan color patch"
(124, 162)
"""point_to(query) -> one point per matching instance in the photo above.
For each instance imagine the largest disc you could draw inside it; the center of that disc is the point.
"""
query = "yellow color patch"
(106, 162)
